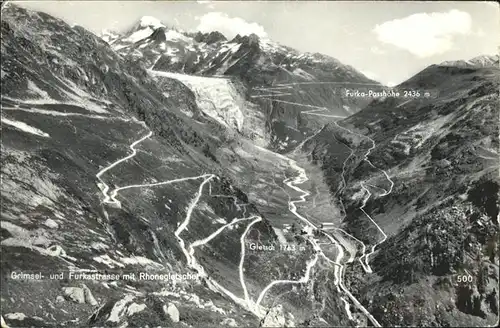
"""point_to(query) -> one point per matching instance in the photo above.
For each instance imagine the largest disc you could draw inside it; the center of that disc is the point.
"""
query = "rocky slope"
(440, 214)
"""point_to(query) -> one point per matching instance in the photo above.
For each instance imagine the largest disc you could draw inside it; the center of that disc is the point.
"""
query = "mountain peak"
(250, 39)
(479, 61)
(485, 60)
(209, 38)
(150, 21)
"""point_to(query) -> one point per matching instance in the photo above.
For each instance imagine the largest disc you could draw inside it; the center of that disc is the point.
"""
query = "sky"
(387, 41)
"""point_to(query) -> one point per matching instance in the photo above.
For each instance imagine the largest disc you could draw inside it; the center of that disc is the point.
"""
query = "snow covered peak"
(174, 35)
(149, 21)
(269, 45)
(479, 61)
(485, 60)
(146, 26)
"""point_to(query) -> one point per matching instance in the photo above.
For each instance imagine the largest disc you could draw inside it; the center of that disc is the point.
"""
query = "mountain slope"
(430, 225)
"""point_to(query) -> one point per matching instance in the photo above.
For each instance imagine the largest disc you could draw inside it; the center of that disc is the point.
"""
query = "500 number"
(464, 278)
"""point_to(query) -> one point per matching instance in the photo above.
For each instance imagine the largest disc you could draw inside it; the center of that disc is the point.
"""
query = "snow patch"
(119, 308)
(140, 260)
(221, 221)
(105, 259)
(171, 51)
(204, 207)
(25, 127)
(172, 312)
(358, 195)
(119, 47)
(139, 35)
(174, 35)
(231, 47)
(281, 236)
(109, 36)
(99, 246)
(135, 308)
(33, 88)
(229, 322)
(303, 74)
(15, 316)
(49, 223)
(347, 109)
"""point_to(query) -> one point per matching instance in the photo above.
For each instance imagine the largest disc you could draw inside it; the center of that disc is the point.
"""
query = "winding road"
(109, 197)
